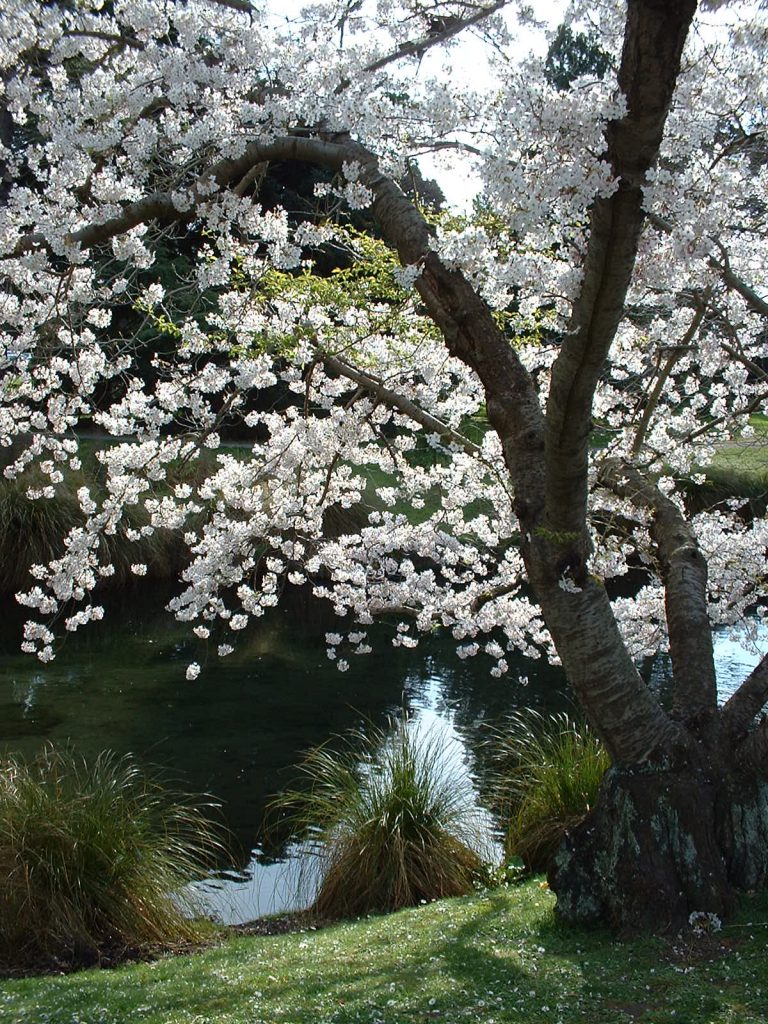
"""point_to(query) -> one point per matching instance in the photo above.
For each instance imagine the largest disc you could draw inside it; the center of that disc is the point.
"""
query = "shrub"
(93, 859)
(388, 822)
(547, 773)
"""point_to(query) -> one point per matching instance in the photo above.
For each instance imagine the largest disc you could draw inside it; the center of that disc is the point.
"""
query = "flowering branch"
(397, 401)
(756, 303)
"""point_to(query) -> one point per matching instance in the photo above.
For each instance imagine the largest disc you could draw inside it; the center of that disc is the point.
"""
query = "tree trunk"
(663, 841)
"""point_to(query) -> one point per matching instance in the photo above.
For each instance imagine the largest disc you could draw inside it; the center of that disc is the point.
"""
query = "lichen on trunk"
(664, 841)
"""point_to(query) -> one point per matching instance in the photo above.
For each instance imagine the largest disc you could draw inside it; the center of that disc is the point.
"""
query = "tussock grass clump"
(93, 859)
(389, 822)
(34, 531)
(547, 773)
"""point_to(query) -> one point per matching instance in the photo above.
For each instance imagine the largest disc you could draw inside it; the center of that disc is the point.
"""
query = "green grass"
(741, 469)
(387, 821)
(547, 773)
(738, 470)
(744, 462)
(90, 855)
(492, 958)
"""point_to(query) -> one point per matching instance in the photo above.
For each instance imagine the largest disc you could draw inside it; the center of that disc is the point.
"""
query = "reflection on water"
(737, 652)
(268, 888)
(260, 888)
(236, 731)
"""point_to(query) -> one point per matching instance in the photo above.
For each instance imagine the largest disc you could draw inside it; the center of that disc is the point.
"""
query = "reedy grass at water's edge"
(387, 821)
(93, 859)
(547, 773)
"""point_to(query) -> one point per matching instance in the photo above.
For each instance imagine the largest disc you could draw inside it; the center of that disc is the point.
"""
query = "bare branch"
(418, 47)
(455, 146)
(235, 5)
(255, 175)
(750, 296)
(740, 709)
(675, 352)
(684, 573)
(754, 368)
(107, 37)
(705, 428)
(493, 594)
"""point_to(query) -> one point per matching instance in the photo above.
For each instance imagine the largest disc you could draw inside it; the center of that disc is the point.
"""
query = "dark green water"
(237, 730)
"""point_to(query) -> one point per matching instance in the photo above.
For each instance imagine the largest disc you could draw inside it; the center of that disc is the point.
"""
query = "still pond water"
(237, 730)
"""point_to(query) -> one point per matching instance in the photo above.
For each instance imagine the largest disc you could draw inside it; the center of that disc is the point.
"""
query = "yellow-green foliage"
(368, 282)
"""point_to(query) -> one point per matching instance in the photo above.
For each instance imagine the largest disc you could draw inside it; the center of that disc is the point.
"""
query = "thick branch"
(157, 207)
(467, 324)
(739, 710)
(684, 573)
(653, 42)
(750, 296)
(752, 753)
(160, 206)
(6, 140)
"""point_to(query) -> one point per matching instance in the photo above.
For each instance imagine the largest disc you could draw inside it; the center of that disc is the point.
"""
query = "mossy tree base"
(660, 844)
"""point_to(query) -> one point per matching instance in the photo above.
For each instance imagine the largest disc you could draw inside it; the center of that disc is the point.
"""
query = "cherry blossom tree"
(612, 276)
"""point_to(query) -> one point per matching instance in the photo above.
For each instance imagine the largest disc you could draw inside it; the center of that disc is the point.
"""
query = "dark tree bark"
(681, 824)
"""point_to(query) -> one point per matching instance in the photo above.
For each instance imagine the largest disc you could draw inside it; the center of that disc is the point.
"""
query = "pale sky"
(467, 64)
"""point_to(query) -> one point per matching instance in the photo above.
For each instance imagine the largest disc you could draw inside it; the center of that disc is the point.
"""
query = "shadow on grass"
(498, 957)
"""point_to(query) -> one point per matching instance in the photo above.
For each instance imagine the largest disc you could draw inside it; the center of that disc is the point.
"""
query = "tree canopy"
(570, 354)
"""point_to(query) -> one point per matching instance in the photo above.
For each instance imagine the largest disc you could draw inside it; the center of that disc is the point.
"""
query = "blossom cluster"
(125, 119)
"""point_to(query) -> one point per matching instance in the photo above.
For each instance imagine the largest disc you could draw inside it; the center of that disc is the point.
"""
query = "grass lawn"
(743, 463)
(491, 958)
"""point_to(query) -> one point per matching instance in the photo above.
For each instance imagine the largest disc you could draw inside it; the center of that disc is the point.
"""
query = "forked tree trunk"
(681, 823)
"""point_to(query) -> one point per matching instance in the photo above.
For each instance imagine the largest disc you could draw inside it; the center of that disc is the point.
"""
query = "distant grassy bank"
(740, 469)
(493, 958)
